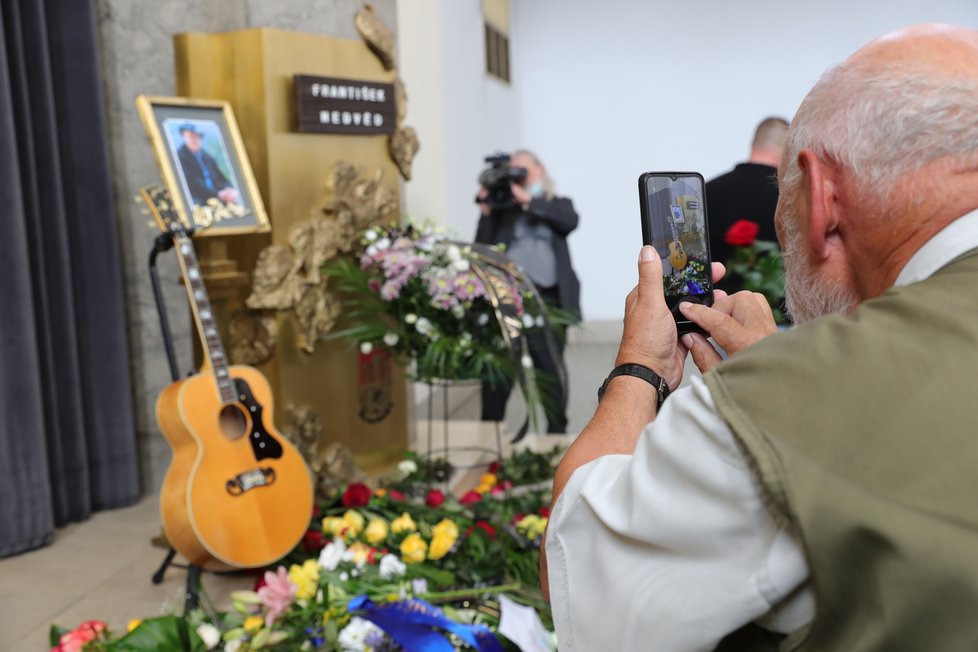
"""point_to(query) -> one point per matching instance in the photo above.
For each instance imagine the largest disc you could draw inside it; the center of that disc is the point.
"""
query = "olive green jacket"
(863, 433)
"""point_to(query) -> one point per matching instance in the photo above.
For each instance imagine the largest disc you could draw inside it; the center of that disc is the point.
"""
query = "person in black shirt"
(202, 173)
(535, 231)
(748, 192)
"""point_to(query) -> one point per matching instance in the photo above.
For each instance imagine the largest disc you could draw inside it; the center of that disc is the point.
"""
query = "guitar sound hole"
(234, 423)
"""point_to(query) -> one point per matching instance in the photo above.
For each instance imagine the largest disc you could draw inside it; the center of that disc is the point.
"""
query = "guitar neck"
(200, 306)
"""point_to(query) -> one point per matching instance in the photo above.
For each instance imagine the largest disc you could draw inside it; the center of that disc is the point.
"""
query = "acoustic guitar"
(236, 492)
(677, 257)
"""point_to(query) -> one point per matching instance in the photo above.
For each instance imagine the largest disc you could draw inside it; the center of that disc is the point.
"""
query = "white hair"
(882, 124)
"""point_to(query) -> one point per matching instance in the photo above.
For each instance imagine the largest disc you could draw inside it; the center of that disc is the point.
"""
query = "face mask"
(535, 189)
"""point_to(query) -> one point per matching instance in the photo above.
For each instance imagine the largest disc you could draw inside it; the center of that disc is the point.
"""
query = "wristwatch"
(639, 371)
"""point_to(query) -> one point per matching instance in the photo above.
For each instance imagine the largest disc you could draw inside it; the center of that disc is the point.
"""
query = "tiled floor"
(102, 568)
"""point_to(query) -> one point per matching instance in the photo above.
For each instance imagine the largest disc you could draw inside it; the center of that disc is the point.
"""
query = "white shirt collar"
(958, 237)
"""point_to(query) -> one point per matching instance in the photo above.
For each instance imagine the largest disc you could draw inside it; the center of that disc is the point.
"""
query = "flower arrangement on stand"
(758, 263)
(416, 293)
(393, 567)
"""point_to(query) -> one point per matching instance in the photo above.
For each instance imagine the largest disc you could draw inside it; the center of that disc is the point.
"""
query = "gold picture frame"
(204, 164)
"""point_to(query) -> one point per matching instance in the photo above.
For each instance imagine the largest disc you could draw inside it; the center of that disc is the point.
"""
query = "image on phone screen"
(674, 222)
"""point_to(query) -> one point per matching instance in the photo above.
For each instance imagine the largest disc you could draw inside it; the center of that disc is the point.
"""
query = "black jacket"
(194, 175)
(557, 213)
(748, 192)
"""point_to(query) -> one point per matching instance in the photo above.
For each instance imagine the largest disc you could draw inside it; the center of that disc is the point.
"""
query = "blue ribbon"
(410, 623)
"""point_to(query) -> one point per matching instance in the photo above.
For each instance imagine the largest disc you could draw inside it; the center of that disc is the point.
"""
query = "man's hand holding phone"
(734, 322)
(650, 337)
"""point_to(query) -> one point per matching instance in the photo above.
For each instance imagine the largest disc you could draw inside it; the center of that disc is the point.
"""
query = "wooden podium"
(253, 70)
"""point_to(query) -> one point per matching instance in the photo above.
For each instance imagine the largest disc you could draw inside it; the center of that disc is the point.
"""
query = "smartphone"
(674, 221)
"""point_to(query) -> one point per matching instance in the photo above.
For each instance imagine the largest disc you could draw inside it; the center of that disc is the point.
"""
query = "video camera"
(497, 179)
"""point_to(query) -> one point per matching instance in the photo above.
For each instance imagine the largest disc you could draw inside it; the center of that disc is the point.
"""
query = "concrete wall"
(137, 57)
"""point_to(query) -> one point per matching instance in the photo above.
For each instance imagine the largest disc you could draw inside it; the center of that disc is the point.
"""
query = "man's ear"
(822, 193)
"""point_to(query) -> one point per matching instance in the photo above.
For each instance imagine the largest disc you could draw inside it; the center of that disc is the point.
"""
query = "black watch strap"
(639, 371)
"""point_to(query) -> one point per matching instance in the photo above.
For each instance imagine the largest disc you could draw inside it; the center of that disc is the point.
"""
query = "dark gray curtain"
(67, 439)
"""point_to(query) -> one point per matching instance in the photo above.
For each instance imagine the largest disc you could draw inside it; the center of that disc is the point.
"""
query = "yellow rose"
(446, 527)
(413, 549)
(253, 623)
(489, 479)
(376, 531)
(380, 493)
(532, 526)
(403, 523)
(306, 577)
(354, 523)
(440, 545)
(133, 624)
(333, 525)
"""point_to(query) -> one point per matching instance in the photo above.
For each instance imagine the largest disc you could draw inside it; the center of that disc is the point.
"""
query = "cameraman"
(534, 225)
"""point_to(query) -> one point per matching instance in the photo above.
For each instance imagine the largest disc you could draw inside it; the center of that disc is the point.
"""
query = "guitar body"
(236, 493)
(677, 257)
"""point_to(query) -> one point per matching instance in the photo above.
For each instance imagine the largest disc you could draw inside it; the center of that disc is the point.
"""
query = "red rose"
(435, 498)
(488, 529)
(469, 498)
(743, 233)
(494, 467)
(313, 541)
(356, 495)
(396, 495)
(545, 512)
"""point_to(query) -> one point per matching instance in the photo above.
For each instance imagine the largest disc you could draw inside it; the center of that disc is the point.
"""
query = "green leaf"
(162, 634)
(55, 633)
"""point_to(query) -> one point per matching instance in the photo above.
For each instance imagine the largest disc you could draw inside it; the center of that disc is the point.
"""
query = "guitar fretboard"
(204, 315)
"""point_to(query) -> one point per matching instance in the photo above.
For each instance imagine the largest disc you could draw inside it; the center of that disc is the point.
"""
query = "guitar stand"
(164, 242)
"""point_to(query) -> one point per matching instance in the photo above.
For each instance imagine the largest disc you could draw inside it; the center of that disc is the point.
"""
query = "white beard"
(807, 296)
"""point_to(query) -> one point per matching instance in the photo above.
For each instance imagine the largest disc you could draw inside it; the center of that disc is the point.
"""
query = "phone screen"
(674, 222)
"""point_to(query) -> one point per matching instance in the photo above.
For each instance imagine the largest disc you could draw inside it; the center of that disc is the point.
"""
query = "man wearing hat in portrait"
(202, 173)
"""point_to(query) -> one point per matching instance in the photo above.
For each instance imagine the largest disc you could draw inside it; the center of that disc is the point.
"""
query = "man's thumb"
(649, 273)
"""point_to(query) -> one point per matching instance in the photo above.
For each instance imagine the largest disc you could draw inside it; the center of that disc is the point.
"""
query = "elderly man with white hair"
(818, 490)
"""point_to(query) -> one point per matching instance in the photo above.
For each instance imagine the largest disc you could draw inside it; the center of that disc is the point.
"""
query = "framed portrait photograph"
(677, 214)
(204, 164)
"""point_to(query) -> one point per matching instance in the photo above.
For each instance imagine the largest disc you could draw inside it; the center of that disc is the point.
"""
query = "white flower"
(407, 467)
(540, 321)
(424, 326)
(410, 318)
(483, 319)
(366, 348)
(353, 637)
(391, 339)
(344, 576)
(391, 567)
(526, 361)
(209, 634)
(370, 235)
(458, 311)
(371, 251)
(383, 243)
(232, 646)
(527, 321)
(331, 556)
(461, 265)
(453, 253)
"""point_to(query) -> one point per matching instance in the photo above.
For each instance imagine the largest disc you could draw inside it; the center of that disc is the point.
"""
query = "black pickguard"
(262, 443)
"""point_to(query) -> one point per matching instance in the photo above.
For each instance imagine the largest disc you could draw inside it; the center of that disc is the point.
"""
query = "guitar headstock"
(161, 206)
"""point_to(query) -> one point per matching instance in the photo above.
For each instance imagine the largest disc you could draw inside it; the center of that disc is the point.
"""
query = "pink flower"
(277, 594)
(76, 639)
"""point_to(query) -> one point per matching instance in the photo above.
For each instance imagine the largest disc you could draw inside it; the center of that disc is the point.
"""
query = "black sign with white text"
(329, 105)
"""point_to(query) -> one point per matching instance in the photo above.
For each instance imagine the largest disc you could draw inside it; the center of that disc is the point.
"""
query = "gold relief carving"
(378, 37)
(290, 277)
(333, 468)
(403, 145)
(253, 337)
